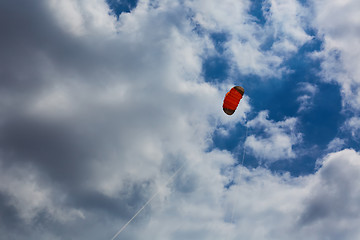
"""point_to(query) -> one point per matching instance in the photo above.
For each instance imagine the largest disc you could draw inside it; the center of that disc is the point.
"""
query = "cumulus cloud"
(287, 21)
(245, 47)
(275, 140)
(94, 119)
(261, 205)
(337, 23)
(79, 111)
(332, 198)
(97, 112)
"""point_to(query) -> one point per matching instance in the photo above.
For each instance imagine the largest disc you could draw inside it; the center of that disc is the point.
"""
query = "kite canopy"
(232, 99)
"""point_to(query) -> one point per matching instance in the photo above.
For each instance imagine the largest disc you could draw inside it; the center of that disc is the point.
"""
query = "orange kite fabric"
(232, 99)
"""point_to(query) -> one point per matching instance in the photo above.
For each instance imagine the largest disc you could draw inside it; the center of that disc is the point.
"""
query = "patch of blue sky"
(219, 39)
(229, 141)
(280, 96)
(256, 10)
(215, 68)
(322, 122)
(319, 124)
(120, 6)
(196, 27)
(268, 43)
(350, 142)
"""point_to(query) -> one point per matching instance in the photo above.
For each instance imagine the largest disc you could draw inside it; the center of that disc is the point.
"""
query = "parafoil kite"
(232, 99)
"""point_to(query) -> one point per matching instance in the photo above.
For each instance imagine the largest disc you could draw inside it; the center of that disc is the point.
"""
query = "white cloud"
(306, 100)
(333, 197)
(337, 23)
(277, 139)
(353, 125)
(21, 184)
(336, 145)
(287, 21)
(109, 119)
(97, 114)
(284, 24)
(261, 205)
(80, 18)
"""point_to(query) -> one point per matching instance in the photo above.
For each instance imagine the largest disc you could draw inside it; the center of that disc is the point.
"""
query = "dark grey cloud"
(27, 32)
(62, 157)
(9, 218)
(36, 56)
(334, 196)
(53, 147)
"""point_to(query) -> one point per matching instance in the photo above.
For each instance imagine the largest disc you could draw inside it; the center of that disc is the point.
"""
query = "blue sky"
(320, 124)
(118, 7)
(103, 101)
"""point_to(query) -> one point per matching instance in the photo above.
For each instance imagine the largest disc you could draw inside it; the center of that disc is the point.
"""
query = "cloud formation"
(353, 125)
(278, 141)
(97, 112)
(337, 23)
(304, 207)
(247, 45)
(332, 197)
(306, 101)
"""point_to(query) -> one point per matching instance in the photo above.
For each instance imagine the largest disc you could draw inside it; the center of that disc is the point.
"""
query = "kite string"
(147, 203)
(243, 158)
(242, 164)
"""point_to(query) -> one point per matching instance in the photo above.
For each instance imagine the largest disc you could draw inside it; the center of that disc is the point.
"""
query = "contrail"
(147, 203)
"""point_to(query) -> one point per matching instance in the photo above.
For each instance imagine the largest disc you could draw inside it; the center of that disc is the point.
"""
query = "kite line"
(147, 203)
(242, 164)
(243, 158)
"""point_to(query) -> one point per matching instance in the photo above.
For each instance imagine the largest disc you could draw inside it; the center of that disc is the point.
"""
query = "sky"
(102, 101)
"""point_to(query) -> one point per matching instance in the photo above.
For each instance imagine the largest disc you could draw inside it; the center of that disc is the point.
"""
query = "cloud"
(277, 140)
(28, 197)
(337, 24)
(332, 197)
(99, 115)
(94, 119)
(286, 20)
(306, 100)
(246, 45)
(79, 18)
(96, 113)
(336, 144)
(262, 205)
(353, 125)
